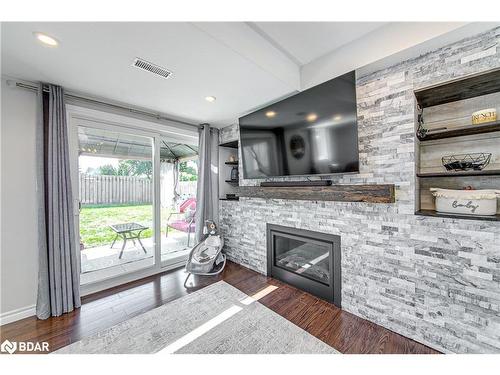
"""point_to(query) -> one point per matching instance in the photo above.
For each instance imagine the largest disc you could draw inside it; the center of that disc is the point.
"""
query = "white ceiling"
(306, 41)
(244, 65)
(96, 58)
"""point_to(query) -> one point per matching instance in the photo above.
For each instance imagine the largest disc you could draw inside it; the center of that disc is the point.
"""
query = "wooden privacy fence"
(100, 189)
(187, 188)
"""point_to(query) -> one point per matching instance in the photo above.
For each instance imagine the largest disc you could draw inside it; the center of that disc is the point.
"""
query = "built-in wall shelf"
(459, 132)
(228, 153)
(480, 84)
(491, 172)
(383, 193)
(443, 124)
(455, 216)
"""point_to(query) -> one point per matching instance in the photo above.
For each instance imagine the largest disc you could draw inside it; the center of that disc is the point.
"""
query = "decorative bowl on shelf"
(464, 162)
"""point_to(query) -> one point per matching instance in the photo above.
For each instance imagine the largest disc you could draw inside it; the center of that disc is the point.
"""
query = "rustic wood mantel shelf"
(343, 193)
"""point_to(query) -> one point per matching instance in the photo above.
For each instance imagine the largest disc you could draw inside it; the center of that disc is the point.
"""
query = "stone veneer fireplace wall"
(436, 280)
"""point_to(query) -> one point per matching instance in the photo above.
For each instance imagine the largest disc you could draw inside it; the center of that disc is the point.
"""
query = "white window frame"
(82, 116)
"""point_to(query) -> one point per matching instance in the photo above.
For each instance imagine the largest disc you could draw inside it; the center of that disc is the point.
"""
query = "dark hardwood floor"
(340, 329)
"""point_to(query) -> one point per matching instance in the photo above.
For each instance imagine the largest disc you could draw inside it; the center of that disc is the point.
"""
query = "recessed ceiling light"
(312, 117)
(210, 99)
(337, 118)
(46, 39)
(270, 114)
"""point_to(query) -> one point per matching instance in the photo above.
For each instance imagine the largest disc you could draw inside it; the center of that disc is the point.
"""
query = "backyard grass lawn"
(95, 221)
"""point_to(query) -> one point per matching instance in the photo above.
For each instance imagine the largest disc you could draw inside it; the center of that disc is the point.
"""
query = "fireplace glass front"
(305, 259)
(309, 259)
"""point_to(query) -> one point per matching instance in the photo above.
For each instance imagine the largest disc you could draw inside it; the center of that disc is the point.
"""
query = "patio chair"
(184, 219)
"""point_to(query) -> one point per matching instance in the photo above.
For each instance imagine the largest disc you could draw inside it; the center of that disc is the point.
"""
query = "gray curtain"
(207, 193)
(58, 264)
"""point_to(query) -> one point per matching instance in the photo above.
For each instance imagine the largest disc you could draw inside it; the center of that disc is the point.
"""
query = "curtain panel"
(58, 263)
(207, 193)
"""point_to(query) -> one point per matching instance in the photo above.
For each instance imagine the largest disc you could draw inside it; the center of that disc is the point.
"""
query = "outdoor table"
(128, 231)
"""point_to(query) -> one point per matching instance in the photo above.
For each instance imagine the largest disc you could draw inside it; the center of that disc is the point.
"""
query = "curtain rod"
(116, 106)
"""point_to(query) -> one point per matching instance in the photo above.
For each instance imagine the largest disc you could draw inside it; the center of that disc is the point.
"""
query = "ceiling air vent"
(150, 67)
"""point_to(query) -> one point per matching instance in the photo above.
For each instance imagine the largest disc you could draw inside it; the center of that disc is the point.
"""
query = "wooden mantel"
(342, 193)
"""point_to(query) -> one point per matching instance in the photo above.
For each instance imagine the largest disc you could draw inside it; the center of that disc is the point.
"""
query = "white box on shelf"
(468, 202)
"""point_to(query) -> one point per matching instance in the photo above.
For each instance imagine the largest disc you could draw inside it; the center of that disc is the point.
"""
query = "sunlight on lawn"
(95, 221)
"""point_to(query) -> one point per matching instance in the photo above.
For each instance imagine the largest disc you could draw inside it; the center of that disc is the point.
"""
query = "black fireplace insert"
(305, 259)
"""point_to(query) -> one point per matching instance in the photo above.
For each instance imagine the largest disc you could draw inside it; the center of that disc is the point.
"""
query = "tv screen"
(314, 132)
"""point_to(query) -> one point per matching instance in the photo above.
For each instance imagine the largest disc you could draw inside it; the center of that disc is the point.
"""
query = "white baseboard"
(17, 314)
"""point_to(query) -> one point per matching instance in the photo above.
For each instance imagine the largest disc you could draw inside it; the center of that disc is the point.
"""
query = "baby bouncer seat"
(206, 258)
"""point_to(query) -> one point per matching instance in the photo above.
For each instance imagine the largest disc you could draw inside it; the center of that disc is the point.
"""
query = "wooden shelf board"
(491, 172)
(460, 89)
(456, 216)
(230, 144)
(342, 193)
(459, 132)
(230, 199)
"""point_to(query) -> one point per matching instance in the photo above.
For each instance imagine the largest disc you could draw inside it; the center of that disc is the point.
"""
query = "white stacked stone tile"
(436, 280)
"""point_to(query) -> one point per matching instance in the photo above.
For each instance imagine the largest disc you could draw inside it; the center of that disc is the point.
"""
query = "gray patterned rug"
(216, 319)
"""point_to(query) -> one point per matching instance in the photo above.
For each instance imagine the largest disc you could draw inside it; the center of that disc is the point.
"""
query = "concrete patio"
(103, 257)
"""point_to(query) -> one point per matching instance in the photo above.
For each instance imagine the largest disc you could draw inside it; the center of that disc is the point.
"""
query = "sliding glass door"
(136, 193)
(116, 194)
(178, 178)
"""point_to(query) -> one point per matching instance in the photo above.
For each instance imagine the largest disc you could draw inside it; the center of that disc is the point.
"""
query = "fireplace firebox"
(305, 259)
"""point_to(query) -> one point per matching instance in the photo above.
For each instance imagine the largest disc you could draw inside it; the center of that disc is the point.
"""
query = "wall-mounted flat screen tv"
(314, 132)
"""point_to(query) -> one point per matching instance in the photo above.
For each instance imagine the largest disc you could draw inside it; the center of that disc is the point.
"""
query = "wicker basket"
(468, 202)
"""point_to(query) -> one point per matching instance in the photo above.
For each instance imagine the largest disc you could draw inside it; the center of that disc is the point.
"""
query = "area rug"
(216, 319)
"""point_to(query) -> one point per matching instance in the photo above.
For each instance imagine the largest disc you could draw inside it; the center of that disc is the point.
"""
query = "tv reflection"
(326, 146)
